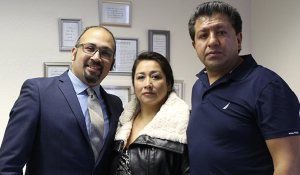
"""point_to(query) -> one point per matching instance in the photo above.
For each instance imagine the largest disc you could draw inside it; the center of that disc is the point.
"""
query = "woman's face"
(150, 84)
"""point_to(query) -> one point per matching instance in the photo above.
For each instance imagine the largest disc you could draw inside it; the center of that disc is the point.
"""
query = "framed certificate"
(52, 69)
(126, 53)
(123, 92)
(115, 13)
(69, 31)
(159, 41)
(178, 87)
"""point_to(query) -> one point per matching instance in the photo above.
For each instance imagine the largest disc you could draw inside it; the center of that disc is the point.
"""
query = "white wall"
(276, 38)
(29, 37)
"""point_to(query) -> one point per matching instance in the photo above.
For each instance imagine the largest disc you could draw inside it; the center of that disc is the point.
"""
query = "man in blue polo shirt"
(244, 118)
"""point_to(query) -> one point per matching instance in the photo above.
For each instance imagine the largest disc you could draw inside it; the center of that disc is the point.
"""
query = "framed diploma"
(126, 53)
(115, 13)
(123, 92)
(69, 31)
(178, 87)
(159, 41)
(52, 69)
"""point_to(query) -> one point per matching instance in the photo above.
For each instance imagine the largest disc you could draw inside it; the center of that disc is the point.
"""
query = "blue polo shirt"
(231, 119)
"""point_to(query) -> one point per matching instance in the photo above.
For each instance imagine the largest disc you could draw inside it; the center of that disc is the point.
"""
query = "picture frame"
(112, 13)
(123, 92)
(178, 87)
(52, 69)
(126, 54)
(159, 41)
(69, 30)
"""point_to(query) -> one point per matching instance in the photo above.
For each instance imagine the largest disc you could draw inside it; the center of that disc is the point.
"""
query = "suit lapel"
(113, 119)
(110, 112)
(66, 87)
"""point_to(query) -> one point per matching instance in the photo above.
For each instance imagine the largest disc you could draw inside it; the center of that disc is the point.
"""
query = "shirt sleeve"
(277, 110)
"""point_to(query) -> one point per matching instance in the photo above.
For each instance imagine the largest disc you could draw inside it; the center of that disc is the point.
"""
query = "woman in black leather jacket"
(151, 135)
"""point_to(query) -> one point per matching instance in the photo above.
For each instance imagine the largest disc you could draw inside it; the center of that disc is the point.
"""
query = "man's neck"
(214, 75)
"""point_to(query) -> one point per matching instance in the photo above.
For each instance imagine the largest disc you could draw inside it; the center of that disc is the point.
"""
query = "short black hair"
(215, 7)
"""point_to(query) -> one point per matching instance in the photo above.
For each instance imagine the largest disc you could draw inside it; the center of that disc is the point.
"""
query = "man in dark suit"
(49, 124)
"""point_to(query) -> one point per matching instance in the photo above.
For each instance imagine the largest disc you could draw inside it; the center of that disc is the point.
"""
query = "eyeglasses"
(91, 49)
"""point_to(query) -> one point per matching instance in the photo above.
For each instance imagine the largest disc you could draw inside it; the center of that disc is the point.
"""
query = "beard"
(92, 77)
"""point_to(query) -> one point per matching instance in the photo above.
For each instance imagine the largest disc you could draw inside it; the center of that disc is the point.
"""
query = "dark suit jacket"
(47, 131)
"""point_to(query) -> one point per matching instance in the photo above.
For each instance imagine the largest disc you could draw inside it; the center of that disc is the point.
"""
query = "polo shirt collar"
(239, 73)
(244, 69)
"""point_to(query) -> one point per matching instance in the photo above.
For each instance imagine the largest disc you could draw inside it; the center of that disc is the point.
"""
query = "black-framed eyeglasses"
(91, 49)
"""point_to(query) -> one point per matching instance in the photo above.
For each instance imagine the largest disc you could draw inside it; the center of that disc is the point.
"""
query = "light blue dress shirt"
(82, 96)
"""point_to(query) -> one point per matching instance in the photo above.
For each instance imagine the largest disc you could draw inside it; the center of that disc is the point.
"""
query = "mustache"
(91, 62)
(213, 51)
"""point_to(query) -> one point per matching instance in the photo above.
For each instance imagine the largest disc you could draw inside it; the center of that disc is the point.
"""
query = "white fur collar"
(169, 123)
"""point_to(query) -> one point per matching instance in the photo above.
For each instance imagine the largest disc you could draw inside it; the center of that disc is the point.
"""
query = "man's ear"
(112, 64)
(239, 40)
(193, 43)
(73, 54)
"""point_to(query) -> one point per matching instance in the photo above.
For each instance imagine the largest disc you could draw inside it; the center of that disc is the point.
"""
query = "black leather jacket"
(153, 156)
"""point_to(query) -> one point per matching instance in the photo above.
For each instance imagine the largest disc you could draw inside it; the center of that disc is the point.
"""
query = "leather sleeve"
(185, 165)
